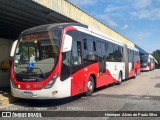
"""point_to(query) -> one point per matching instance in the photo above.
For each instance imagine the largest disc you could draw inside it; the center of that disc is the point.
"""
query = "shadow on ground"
(45, 103)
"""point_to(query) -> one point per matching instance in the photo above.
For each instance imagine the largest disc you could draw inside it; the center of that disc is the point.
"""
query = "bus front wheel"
(90, 86)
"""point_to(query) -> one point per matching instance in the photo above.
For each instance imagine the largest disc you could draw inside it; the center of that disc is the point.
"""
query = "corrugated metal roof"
(18, 15)
(71, 11)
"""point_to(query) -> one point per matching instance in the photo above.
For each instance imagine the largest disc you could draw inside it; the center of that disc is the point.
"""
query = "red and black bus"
(67, 59)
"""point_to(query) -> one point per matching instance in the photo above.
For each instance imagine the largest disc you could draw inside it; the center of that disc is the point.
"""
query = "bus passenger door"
(104, 78)
(77, 71)
(100, 58)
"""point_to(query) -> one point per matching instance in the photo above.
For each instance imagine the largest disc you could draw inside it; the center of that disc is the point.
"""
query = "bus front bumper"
(145, 68)
(36, 94)
(60, 89)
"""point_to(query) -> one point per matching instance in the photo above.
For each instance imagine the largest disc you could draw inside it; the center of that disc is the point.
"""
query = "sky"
(137, 20)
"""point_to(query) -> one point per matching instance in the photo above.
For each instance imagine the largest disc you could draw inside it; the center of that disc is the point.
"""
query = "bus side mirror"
(67, 44)
(13, 48)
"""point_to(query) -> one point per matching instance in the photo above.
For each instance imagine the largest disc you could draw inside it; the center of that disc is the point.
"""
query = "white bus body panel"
(63, 89)
(114, 68)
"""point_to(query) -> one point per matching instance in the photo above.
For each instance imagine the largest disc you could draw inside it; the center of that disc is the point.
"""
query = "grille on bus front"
(22, 78)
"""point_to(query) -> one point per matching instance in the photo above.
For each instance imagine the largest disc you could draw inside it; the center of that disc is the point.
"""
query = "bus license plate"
(29, 94)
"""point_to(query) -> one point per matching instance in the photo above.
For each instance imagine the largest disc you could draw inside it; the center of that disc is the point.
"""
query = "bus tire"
(119, 79)
(90, 86)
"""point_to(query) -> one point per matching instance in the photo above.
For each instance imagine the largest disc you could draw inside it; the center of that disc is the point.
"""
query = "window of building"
(94, 45)
(85, 44)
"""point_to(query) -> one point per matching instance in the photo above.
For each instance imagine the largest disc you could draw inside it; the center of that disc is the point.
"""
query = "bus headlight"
(51, 82)
(12, 83)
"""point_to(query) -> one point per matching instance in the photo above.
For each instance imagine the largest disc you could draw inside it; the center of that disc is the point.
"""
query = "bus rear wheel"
(90, 86)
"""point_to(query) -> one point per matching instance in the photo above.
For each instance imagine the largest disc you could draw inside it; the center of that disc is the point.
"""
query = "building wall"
(5, 45)
(69, 10)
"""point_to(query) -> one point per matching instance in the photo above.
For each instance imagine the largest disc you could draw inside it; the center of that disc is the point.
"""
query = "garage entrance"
(16, 16)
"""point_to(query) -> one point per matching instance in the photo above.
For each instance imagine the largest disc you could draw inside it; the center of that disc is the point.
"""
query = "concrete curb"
(6, 99)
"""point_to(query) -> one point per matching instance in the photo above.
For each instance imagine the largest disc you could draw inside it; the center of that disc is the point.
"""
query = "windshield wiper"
(32, 72)
(41, 72)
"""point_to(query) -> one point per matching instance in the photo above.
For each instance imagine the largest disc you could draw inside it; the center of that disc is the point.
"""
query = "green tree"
(156, 55)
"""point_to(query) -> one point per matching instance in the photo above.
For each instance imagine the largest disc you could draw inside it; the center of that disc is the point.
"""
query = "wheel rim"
(90, 86)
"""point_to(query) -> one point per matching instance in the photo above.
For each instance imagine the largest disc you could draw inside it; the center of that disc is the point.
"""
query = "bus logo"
(30, 66)
(6, 114)
(27, 86)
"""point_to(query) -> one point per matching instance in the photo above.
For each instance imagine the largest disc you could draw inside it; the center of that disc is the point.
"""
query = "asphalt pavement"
(139, 94)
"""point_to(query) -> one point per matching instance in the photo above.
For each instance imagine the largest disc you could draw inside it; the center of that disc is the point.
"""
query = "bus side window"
(76, 53)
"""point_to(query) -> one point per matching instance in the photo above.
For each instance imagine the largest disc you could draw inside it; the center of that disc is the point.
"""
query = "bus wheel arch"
(94, 77)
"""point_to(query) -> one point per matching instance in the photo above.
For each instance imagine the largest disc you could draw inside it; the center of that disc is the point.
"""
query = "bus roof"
(49, 27)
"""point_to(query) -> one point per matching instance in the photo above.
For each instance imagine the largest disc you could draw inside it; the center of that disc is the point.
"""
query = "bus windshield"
(37, 53)
(144, 60)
